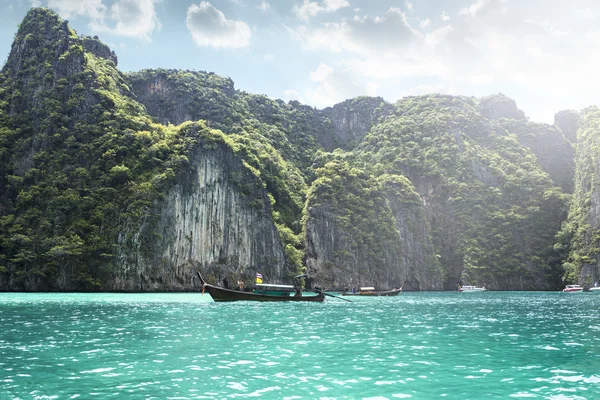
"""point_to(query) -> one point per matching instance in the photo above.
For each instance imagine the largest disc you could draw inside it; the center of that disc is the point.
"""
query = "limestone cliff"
(568, 122)
(96, 196)
(351, 120)
(554, 151)
(498, 106)
(581, 232)
(102, 189)
(363, 231)
(485, 196)
(215, 218)
(95, 46)
(297, 130)
(175, 96)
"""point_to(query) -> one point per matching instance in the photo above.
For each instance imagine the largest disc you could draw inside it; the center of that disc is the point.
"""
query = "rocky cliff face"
(582, 229)
(499, 106)
(418, 260)
(95, 196)
(337, 257)
(426, 193)
(44, 55)
(174, 96)
(94, 46)
(297, 130)
(351, 120)
(554, 151)
(216, 218)
(483, 192)
(568, 122)
(362, 231)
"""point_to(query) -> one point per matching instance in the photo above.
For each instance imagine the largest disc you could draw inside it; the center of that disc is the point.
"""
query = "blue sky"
(543, 53)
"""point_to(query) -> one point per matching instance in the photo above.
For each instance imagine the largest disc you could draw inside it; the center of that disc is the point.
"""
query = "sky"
(545, 54)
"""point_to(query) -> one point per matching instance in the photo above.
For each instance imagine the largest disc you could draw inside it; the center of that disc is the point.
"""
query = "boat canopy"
(366, 288)
(273, 286)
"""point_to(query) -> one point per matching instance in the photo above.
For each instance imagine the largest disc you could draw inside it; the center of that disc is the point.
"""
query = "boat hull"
(573, 289)
(221, 294)
(470, 289)
(381, 293)
(595, 290)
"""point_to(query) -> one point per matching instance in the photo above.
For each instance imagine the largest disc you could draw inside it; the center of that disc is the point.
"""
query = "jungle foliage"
(86, 149)
(579, 239)
(493, 210)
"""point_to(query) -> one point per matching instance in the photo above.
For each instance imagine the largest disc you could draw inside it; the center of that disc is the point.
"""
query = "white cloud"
(135, 18)
(93, 9)
(360, 35)
(132, 18)
(420, 90)
(333, 5)
(210, 28)
(321, 73)
(481, 79)
(372, 88)
(292, 94)
(264, 6)
(474, 8)
(309, 8)
(334, 85)
(409, 5)
(532, 51)
(35, 3)
(398, 67)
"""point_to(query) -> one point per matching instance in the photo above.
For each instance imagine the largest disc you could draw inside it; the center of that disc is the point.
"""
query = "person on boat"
(298, 292)
(353, 290)
(241, 285)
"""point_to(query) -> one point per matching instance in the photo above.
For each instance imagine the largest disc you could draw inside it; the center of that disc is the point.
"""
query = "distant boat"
(469, 289)
(370, 291)
(263, 292)
(595, 290)
(573, 289)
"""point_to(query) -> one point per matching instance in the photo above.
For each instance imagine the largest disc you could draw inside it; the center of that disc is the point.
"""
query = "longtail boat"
(263, 292)
(370, 291)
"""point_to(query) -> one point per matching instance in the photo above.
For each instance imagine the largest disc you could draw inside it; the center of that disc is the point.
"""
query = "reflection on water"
(468, 346)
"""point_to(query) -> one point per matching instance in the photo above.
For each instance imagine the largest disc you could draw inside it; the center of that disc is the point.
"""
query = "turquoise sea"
(416, 345)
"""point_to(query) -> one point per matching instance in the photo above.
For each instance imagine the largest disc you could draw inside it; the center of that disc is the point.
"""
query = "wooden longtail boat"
(222, 294)
(370, 291)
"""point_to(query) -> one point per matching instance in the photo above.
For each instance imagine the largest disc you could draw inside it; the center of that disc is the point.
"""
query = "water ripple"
(493, 345)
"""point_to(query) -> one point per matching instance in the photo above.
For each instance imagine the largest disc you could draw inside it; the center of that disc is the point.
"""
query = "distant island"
(114, 181)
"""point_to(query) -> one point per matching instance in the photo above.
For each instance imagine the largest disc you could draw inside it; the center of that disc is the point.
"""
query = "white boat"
(468, 289)
(595, 289)
(573, 289)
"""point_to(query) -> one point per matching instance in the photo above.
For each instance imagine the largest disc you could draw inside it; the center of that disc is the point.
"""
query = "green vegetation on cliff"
(80, 159)
(580, 236)
(361, 221)
(428, 192)
(492, 209)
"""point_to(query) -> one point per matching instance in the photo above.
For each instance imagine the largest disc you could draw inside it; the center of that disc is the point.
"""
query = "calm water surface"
(184, 346)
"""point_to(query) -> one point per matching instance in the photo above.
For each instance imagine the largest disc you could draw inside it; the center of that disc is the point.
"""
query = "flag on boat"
(258, 278)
